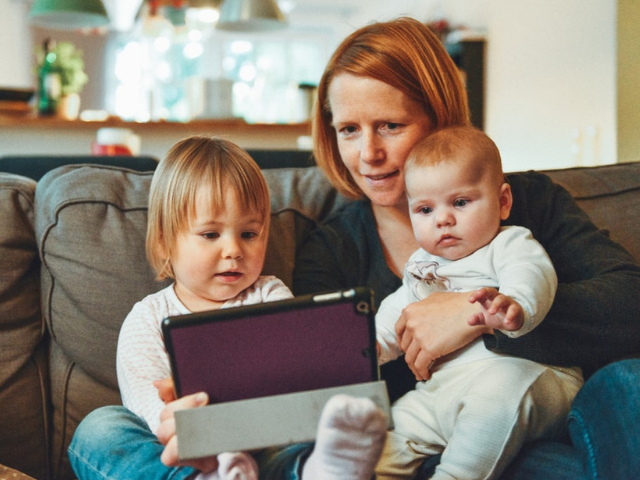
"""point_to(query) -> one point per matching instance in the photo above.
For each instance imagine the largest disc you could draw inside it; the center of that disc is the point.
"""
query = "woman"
(387, 86)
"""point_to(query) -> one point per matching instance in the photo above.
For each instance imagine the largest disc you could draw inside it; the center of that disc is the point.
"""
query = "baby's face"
(454, 212)
(220, 255)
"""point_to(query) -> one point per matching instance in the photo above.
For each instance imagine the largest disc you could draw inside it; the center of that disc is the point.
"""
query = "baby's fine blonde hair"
(193, 163)
(462, 143)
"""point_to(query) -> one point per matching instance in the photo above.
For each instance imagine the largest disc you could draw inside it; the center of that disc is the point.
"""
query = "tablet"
(304, 343)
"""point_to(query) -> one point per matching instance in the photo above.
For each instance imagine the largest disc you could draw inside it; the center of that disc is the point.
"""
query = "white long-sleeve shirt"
(514, 262)
(141, 356)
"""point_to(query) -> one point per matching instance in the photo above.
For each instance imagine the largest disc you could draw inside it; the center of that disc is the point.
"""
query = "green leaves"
(69, 63)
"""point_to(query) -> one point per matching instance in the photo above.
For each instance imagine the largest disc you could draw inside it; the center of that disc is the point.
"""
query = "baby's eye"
(425, 210)
(210, 235)
(460, 202)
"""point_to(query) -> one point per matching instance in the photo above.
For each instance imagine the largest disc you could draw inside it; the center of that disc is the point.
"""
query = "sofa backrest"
(24, 379)
(36, 166)
(610, 194)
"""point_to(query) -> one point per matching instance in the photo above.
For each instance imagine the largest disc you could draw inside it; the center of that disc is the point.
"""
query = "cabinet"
(468, 51)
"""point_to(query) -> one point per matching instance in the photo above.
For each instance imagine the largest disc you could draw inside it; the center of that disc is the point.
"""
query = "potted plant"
(65, 63)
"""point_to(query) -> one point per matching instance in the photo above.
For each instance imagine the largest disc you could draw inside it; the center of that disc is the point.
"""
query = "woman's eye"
(461, 202)
(391, 127)
(346, 131)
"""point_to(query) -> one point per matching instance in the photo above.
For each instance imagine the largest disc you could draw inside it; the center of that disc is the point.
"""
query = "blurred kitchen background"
(558, 78)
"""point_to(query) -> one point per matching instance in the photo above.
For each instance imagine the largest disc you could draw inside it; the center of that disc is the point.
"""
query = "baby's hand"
(498, 310)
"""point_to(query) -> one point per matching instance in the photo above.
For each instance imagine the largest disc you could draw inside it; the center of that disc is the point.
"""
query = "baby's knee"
(507, 378)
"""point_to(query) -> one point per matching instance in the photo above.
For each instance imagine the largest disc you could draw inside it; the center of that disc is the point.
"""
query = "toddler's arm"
(497, 310)
(388, 346)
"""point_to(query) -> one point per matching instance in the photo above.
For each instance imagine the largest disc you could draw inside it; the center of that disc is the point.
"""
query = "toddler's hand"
(166, 392)
(167, 433)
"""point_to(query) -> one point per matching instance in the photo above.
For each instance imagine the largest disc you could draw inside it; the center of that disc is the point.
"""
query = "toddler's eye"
(460, 202)
(425, 210)
(249, 235)
(210, 235)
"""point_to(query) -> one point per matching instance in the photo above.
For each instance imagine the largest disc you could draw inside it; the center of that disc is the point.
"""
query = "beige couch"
(72, 264)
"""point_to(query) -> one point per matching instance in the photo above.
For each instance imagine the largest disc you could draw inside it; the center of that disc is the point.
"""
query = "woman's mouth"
(381, 178)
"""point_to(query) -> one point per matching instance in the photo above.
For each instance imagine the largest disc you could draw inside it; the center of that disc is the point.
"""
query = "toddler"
(208, 225)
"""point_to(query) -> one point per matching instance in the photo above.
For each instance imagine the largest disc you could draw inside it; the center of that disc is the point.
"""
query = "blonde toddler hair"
(193, 163)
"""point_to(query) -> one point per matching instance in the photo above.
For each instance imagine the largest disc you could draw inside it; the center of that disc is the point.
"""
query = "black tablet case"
(305, 343)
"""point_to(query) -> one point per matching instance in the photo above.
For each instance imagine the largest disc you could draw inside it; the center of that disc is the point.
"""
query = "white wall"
(551, 69)
(551, 83)
(17, 52)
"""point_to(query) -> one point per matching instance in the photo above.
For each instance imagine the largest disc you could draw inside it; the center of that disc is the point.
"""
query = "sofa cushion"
(23, 376)
(90, 229)
(300, 198)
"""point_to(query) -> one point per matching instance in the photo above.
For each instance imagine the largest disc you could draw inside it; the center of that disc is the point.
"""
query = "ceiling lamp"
(68, 14)
(250, 16)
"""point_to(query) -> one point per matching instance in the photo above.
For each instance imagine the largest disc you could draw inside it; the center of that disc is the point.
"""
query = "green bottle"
(49, 81)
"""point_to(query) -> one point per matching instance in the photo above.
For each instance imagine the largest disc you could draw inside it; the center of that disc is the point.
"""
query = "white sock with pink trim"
(237, 466)
(351, 434)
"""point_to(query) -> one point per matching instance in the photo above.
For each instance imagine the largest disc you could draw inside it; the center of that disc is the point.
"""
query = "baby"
(478, 408)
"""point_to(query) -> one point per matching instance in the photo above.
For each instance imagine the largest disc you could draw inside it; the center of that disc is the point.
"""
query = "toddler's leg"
(351, 434)
(506, 402)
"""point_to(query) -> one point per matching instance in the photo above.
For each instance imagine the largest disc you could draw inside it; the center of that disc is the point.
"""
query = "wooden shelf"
(28, 134)
(21, 120)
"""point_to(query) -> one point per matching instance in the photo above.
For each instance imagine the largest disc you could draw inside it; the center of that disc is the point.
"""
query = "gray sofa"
(72, 264)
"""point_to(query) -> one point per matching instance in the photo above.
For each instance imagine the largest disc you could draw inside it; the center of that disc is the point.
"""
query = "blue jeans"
(603, 423)
(114, 443)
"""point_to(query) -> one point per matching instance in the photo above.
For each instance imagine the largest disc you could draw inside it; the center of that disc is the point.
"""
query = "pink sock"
(237, 466)
(232, 466)
(351, 434)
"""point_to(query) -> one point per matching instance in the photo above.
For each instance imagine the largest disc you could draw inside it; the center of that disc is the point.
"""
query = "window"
(166, 72)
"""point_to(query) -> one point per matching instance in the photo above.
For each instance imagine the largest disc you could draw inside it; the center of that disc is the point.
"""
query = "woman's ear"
(506, 201)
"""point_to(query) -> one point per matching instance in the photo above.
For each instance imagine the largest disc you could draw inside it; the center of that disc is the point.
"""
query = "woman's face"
(376, 125)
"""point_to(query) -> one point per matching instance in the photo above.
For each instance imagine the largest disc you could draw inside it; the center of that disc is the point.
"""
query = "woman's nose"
(370, 150)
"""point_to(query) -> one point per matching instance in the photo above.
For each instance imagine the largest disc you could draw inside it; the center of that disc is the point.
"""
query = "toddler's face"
(220, 255)
(453, 212)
